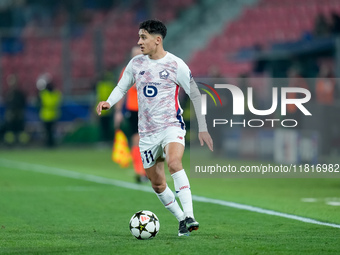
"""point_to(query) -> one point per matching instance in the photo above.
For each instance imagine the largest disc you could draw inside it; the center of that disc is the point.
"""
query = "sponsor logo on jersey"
(180, 137)
(164, 74)
(141, 72)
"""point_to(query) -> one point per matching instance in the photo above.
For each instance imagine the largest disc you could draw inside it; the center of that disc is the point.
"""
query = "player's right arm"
(118, 116)
(119, 91)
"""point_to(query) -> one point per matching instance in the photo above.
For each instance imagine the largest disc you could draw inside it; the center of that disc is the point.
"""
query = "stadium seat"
(270, 21)
(45, 52)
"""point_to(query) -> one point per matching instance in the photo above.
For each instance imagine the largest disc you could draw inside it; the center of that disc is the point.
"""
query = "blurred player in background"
(325, 86)
(131, 114)
(15, 103)
(49, 102)
(158, 76)
(104, 86)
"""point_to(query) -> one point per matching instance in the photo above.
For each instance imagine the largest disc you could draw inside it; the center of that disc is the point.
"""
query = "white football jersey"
(158, 83)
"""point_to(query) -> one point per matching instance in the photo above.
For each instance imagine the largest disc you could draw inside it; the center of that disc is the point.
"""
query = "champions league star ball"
(144, 225)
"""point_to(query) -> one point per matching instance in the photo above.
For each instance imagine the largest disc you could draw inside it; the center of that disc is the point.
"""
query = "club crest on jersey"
(164, 74)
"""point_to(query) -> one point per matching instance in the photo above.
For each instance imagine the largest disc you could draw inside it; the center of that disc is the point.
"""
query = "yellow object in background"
(120, 150)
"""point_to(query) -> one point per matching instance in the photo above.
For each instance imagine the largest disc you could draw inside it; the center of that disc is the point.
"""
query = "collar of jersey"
(158, 60)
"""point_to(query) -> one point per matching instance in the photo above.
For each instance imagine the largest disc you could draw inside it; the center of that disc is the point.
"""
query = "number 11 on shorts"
(148, 156)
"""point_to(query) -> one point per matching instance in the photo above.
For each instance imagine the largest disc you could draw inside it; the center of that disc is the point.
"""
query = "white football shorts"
(152, 147)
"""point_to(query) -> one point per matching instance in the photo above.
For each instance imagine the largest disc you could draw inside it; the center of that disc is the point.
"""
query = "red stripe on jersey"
(176, 98)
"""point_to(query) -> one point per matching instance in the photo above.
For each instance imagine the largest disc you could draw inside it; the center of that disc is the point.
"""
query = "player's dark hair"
(154, 27)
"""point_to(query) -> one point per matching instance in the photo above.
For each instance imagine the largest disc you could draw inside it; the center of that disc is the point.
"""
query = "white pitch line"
(128, 185)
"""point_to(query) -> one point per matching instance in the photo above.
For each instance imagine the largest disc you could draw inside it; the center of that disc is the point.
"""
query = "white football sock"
(183, 191)
(168, 199)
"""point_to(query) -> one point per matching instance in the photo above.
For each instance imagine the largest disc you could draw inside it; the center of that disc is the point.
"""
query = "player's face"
(147, 42)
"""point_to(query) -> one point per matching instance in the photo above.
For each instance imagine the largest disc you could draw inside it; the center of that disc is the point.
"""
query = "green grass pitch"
(43, 213)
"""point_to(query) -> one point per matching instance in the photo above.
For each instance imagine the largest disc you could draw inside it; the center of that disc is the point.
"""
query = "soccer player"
(159, 75)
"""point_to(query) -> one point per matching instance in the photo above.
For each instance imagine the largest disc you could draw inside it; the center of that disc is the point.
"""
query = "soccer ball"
(144, 225)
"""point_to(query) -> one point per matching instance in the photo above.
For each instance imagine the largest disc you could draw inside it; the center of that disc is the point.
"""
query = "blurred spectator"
(259, 65)
(325, 90)
(295, 80)
(104, 88)
(49, 103)
(335, 23)
(15, 103)
(243, 82)
(321, 26)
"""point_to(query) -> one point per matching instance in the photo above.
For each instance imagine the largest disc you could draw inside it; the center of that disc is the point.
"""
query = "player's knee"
(174, 165)
(159, 188)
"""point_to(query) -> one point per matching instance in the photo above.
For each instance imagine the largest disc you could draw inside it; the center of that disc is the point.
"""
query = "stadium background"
(77, 42)
(74, 200)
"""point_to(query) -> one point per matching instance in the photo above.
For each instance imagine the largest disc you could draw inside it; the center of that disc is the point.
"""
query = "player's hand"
(204, 137)
(103, 105)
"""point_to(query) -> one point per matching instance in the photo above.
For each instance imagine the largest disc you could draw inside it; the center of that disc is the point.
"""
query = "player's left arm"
(195, 97)
(187, 82)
